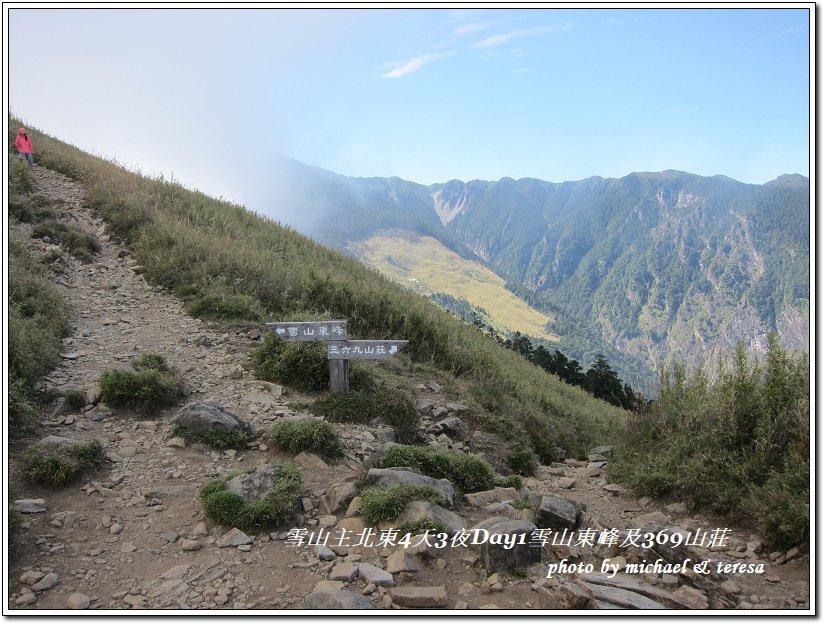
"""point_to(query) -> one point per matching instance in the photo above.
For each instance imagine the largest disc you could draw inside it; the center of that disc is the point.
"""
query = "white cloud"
(524, 70)
(519, 34)
(469, 28)
(412, 65)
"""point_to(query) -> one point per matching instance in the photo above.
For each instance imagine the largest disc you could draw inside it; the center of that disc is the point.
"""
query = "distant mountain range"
(649, 269)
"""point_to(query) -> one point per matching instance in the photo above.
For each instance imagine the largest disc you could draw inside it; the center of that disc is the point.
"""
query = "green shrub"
(420, 527)
(55, 466)
(151, 361)
(738, 445)
(391, 406)
(75, 400)
(513, 481)
(313, 435)
(219, 305)
(383, 505)
(230, 509)
(522, 461)
(467, 472)
(216, 437)
(154, 386)
(301, 365)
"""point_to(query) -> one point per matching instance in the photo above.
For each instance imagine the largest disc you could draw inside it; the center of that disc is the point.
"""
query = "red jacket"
(23, 142)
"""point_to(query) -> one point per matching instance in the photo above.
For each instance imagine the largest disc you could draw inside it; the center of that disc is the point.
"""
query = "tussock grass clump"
(79, 244)
(75, 400)
(420, 527)
(391, 406)
(55, 466)
(230, 509)
(522, 461)
(381, 505)
(148, 387)
(38, 319)
(302, 365)
(313, 435)
(219, 305)
(467, 472)
(217, 437)
(738, 445)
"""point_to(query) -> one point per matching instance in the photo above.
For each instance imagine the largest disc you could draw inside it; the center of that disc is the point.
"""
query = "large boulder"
(388, 477)
(255, 485)
(452, 426)
(340, 599)
(425, 511)
(495, 495)
(556, 512)
(500, 556)
(199, 417)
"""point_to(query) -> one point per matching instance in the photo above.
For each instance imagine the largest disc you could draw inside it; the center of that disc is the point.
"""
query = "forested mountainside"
(647, 269)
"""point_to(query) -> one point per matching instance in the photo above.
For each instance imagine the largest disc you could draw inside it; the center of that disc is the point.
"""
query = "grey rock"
(255, 485)
(310, 461)
(169, 536)
(555, 512)
(451, 426)
(402, 561)
(47, 582)
(376, 576)
(497, 557)
(26, 597)
(495, 495)
(342, 494)
(324, 553)
(419, 597)
(424, 510)
(233, 537)
(78, 601)
(176, 572)
(200, 417)
(30, 505)
(340, 599)
(31, 577)
(373, 459)
(190, 545)
(389, 477)
(600, 450)
(59, 441)
(344, 572)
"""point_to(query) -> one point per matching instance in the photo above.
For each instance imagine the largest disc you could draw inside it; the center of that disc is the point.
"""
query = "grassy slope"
(424, 265)
(199, 246)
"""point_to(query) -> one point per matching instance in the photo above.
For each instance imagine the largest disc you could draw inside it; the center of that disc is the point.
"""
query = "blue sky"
(427, 95)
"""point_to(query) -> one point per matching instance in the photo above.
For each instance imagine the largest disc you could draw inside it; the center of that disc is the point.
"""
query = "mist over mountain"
(649, 269)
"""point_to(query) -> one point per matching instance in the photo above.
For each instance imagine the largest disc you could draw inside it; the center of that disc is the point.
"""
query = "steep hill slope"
(133, 534)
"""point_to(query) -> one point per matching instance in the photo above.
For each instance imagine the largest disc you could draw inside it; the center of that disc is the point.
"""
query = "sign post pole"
(339, 349)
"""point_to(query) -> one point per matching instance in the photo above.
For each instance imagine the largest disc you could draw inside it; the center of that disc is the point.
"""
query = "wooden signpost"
(339, 348)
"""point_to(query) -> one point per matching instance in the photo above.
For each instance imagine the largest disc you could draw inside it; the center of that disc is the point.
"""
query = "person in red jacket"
(24, 146)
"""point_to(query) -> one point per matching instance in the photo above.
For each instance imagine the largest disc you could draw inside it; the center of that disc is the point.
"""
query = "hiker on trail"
(24, 146)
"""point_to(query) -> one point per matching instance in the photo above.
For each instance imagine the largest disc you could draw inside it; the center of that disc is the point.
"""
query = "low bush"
(219, 305)
(522, 461)
(391, 406)
(466, 472)
(149, 388)
(75, 400)
(313, 435)
(513, 481)
(301, 365)
(381, 505)
(217, 437)
(738, 445)
(55, 466)
(277, 507)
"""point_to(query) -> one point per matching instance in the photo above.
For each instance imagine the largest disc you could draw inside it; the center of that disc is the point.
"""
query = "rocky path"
(133, 535)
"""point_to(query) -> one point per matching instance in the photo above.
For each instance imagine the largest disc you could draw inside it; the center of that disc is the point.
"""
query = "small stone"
(190, 545)
(376, 576)
(30, 505)
(169, 536)
(344, 572)
(31, 577)
(47, 582)
(324, 553)
(26, 597)
(127, 547)
(327, 522)
(116, 529)
(200, 530)
(234, 537)
(401, 561)
(177, 442)
(78, 601)
(420, 597)
(566, 483)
